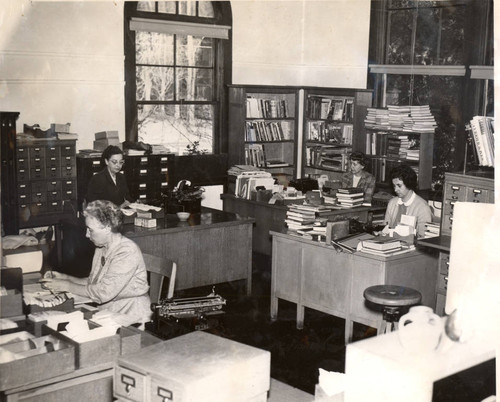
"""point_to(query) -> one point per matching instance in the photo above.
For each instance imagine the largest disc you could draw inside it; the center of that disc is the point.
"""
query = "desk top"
(198, 221)
(440, 242)
(355, 255)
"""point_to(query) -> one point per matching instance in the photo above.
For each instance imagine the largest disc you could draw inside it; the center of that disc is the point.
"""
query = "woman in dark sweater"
(109, 184)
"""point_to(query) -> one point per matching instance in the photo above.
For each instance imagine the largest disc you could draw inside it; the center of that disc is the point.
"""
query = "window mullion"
(440, 30)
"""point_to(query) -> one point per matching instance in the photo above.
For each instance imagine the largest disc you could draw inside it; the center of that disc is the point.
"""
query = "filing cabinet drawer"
(456, 191)
(23, 175)
(37, 152)
(68, 150)
(37, 174)
(38, 208)
(444, 263)
(24, 198)
(54, 206)
(69, 185)
(39, 197)
(53, 195)
(23, 152)
(477, 195)
(442, 282)
(23, 188)
(53, 172)
(68, 171)
(52, 161)
(53, 185)
(68, 161)
(52, 152)
(129, 384)
(160, 391)
(68, 194)
(23, 163)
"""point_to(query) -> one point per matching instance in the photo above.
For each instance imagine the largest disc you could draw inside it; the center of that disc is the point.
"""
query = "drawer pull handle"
(166, 394)
(455, 188)
(476, 192)
(128, 381)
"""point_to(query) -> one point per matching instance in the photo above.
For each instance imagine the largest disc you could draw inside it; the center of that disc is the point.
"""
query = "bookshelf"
(263, 128)
(399, 134)
(333, 125)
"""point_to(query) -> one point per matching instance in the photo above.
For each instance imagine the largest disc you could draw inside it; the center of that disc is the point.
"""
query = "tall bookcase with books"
(390, 141)
(333, 124)
(263, 128)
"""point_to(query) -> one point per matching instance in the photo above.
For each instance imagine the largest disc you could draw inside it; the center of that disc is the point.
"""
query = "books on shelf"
(260, 108)
(338, 108)
(417, 119)
(482, 130)
(261, 130)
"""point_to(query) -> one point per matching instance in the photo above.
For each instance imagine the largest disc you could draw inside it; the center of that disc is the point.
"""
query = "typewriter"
(195, 310)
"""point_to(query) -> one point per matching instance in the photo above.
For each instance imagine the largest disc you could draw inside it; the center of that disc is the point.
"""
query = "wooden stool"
(392, 298)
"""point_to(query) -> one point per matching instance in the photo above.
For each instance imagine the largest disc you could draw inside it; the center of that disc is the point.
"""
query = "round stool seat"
(392, 295)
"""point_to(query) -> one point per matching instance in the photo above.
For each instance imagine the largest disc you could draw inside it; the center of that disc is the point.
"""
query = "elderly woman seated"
(118, 279)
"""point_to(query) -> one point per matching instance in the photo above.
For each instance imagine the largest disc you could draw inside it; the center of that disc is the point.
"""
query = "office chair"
(159, 269)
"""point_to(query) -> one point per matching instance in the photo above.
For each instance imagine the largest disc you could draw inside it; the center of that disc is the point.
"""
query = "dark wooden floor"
(297, 355)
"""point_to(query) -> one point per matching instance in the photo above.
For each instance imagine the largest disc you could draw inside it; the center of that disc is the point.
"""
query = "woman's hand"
(56, 285)
(55, 275)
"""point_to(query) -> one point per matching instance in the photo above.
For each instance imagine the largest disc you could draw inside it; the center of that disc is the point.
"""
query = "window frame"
(477, 53)
(222, 68)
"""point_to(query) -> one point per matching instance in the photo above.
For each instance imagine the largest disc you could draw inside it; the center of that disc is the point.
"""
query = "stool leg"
(382, 327)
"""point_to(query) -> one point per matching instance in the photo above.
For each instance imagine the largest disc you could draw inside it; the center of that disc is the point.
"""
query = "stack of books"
(350, 197)
(482, 130)
(431, 230)
(105, 138)
(416, 119)
(384, 246)
(299, 219)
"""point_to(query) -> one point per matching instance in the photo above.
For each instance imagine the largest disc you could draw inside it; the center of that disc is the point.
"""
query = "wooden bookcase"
(333, 125)
(381, 146)
(263, 127)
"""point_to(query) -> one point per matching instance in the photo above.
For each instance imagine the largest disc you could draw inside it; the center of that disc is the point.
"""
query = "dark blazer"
(102, 187)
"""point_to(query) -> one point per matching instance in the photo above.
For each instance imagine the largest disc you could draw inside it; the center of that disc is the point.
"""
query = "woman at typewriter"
(118, 279)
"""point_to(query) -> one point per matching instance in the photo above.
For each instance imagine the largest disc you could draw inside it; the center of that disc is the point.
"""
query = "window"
(175, 71)
(423, 52)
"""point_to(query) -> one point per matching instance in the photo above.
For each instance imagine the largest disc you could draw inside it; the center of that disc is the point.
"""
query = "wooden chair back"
(159, 270)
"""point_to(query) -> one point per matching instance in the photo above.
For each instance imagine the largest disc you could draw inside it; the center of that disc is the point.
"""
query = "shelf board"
(328, 143)
(270, 118)
(309, 119)
(269, 142)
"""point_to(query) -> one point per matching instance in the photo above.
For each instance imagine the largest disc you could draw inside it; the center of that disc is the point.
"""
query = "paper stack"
(105, 138)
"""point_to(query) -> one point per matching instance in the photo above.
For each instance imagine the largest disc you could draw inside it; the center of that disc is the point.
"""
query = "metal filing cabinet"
(458, 188)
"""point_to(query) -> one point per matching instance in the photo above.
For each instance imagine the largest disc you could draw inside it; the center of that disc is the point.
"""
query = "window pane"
(452, 36)
(427, 39)
(194, 84)
(441, 93)
(399, 46)
(154, 48)
(176, 126)
(187, 8)
(167, 7)
(154, 83)
(205, 9)
(194, 51)
(146, 6)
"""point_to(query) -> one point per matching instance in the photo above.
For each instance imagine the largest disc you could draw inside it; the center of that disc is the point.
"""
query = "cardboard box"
(194, 367)
(133, 339)
(11, 304)
(94, 352)
(36, 367)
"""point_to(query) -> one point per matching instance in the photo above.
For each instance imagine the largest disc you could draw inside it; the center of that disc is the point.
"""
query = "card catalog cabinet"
(465, 188)
(147, 176)
(46, 181)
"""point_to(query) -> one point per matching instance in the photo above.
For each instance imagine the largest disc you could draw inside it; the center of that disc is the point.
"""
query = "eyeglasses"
(114, 162)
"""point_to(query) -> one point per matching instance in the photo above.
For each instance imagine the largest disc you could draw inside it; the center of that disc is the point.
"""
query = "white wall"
(63, 62)
(310, 43)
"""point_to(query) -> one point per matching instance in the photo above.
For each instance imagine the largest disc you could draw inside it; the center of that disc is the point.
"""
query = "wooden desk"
(314, 275)
(211, 247)
(269, 217)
